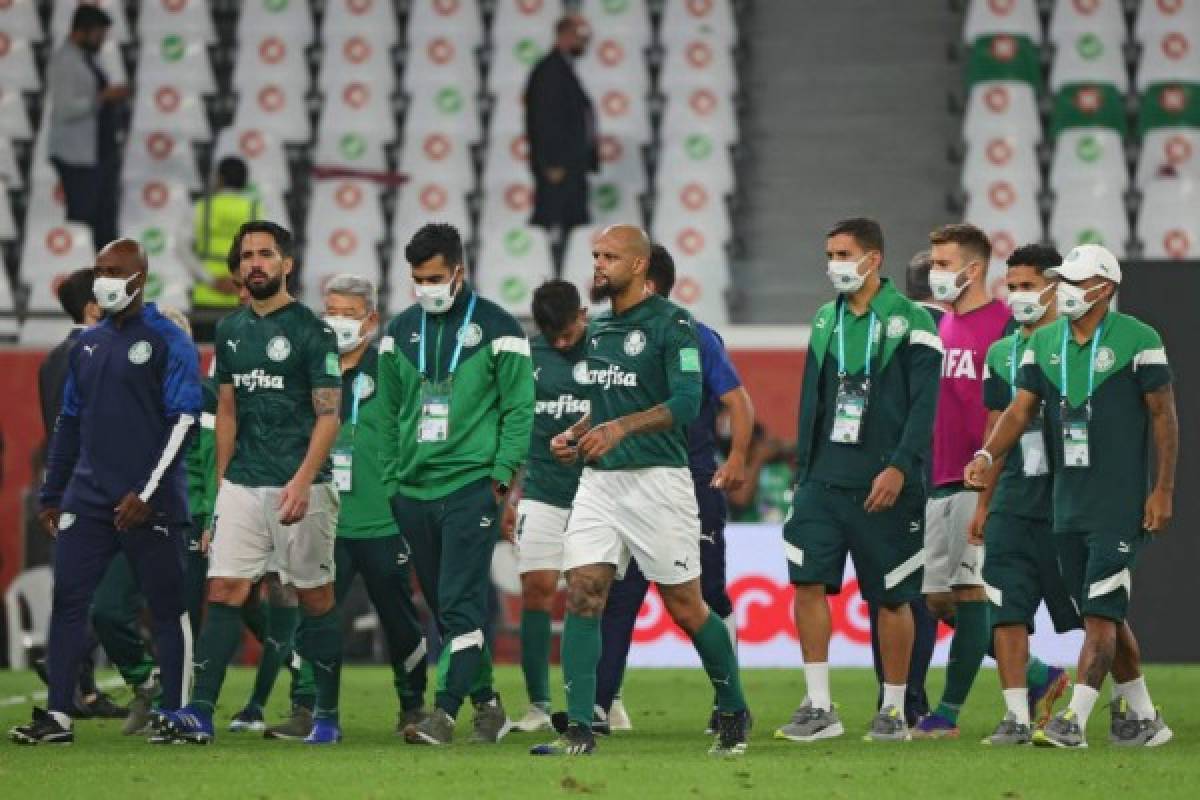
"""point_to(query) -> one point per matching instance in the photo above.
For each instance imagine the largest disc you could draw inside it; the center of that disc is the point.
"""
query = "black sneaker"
(577, 740)
(100, 707)
(42, 729)
(600, 726)
(732, 728)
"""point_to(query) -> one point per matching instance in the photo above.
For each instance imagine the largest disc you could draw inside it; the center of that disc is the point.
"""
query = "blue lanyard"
(462, 334)
(1091, 361)
(356, 390)
(1012, 369)
(842, 341)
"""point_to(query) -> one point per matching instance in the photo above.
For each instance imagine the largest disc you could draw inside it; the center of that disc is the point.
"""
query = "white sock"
(816, 678)
(1137, 695)
(1083, 699)
(1017, 702)
(62, 719)
(893, 695)
(731, 626)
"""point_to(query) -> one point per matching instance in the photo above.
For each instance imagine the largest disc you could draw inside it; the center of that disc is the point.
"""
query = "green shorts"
(827, 522)
(1021, 571)
(1097, 567)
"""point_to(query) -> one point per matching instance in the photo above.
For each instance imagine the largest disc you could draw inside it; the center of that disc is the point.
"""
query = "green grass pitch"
(664, 757)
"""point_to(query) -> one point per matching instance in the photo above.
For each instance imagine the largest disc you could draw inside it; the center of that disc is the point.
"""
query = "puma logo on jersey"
(257, 379)
(565, 404)
(232, 344)
(485, 522)
(160, 529)
(681, 564)
(959, 363)
(613, 376)
(1123, 547)
(414, 338)
(89, 348)
(914, 526)
(537, 373)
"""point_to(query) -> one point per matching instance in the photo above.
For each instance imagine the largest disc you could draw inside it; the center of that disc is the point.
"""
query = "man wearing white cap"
(1106, 385)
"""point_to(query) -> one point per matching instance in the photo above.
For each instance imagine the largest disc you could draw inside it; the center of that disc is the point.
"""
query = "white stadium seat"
(1002, 109)
(699, 111)
(177, 60)
(610, 61)
(697, 155)
(512, 263)
(44, 332)
(362, 149)
(507, 159)
(457, 19)
(1090, 214)
(10, 171)
(1169, 219)
(683, 19)
(1169, 151)
(1105, 18)
(358, 16)
(1009, 217)
(1156, 17)
(441, 61)
(270, 58)
(692, 246)
(682, 202)
(628, 20)
(1089, 156)
(14, 118)
(506, 205)
(357, 57)
(8, 224)
(1000, 158)
(437, 155)
(338, 250)
(445, 108)
(291, 19)
(1089, 58)
(357, 105)
(511, 64)
(20, 18)
(169, 281)
(156, 202)
(60, 19)
(989, 17)
(524, 19)
(422, 202)
(274, 107)
(621, 163)
(612, 203)
(262, 151)
(508, 112)
(350, 204)
(698, 63)
(163, 155)
(17, 67)
(166, 107)
(1173, 56)
(622, 112)
(189, 18)
(50, 252)
(47, 203)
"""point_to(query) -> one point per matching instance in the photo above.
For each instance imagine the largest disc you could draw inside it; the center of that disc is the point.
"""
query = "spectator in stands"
(560, 125)
(216, 220)
(84, 120)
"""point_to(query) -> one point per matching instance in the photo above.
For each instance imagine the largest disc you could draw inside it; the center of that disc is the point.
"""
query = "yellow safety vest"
(216, 223)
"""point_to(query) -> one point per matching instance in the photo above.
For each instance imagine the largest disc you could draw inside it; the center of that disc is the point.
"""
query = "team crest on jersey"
(140, 352)
(471, 336)
(279, 348)
(364, 386)
(635, 343)
(897, 326)
(580, 373)
(1105, 359)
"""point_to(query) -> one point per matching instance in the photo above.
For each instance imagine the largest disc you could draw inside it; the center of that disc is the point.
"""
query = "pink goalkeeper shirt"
(961, 415)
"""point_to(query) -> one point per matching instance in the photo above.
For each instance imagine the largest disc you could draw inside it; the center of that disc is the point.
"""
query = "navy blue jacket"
(131, 399)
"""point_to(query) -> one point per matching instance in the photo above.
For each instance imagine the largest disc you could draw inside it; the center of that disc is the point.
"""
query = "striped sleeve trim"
(1150, 358)
(174, 442)
(510, 344)
(387, 345)
(927, 339)
(1028, 360)
(208, 421)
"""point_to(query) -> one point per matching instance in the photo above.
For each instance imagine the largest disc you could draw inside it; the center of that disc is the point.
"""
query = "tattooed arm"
(1165, 424)
(293, 503)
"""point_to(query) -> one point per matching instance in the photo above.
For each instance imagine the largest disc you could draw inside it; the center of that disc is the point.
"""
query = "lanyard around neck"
(842, 341)
(1091, 360)
(462, 334)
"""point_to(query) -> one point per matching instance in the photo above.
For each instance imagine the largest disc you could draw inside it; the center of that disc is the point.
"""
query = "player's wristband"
(985, 454)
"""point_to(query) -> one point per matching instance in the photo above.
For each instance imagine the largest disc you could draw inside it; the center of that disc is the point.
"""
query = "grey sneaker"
(413, 716)
(1063, 730)
(491, 723)
(140, 709)
(888, 726)
(809, 724)
(435, 730)
(1010, 732)
(296, 727)
(1129, 731)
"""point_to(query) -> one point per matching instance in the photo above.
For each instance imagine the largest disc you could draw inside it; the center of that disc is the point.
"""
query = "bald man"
(635, 497)
(115, 483)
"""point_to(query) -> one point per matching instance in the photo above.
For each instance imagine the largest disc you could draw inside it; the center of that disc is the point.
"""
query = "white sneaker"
(618, 717)
(535, 719)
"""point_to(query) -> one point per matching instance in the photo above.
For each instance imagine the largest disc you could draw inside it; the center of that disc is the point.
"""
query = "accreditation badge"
(434, 423)
(850, 409)
(1076, 453)
(343, 467)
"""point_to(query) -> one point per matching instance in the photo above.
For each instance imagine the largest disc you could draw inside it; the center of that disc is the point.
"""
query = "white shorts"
(949, 559)
(249, 541)
(541, 536)
(649, 514)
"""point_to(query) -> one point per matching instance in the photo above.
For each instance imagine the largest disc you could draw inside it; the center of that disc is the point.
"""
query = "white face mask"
(1027, 307)
(1073, 302)
(435, 298)
(112, 293)
(845, 277)
(944, 285)
(348, 332)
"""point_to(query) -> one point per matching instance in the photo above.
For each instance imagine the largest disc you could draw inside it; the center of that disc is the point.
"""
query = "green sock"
(278, 639)
(304, 683)
(535, 655)
(720, 662)
(319, 641)
(971, 636)
(458, 675)
(1037, 672)
(218, 642)
(254, 617)
(580, 655)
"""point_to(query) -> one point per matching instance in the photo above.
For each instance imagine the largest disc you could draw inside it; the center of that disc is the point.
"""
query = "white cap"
(1088, 261)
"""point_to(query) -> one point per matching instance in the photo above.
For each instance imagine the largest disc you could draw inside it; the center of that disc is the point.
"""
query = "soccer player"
(114, 482)
(1106, 385)
(279, 392)
(635, 496)
(953, 582)
(368, 541)
(455, 383)
(1013, 515)
(539, 521)
(721, 388)
(866, 416)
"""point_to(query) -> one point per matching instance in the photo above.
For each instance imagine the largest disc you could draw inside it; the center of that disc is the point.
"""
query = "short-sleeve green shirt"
(1016, 493)
(560, 380)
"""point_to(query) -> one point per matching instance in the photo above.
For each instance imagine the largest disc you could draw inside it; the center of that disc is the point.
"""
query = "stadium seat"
(1009, 218)
(697, 155)
(154, 201)
(44, 332)
(1169, 105)
(377, 17)
(350, 204)
(1170, 57)
(335, 250)
(439, 156)
(1091, 59)
(273, 107)
(352, 150)
(356, 105)
(1092, 157)
(614, 203)
(262, 151)
(514, 20)
(683, 202)
(1156, 17)
(291, 19)
(684, 19)
(579, 265)
(459, 20)
(357, 57)
(507, 159)
(1004, 58)
(8, 303)
(698, 63)
(47, 203)
(1071, 18)
(14, 118)
(169, 282)
(621, 164)
(420, 203)
(441, 61)
(693, 246)
(271, 58)
(51, 251)
(1088, 105)
(700, 288)
(512, 263)
(991, 17)
(1086, 213)
(272, 205)
(179, 61)
(626, 20)
(187, 18)
(17, 67)
(163, 155)
(612, 62)
(1001, 158)
(1169, 151)
(33, 589)
(20, 19)
(446, 108)
(10, 171)
(512, 62)
(508, 112)
(506, 205)
(1168, 223)
(697, 111)
(60, 19)
(166, 107)
(8, 223)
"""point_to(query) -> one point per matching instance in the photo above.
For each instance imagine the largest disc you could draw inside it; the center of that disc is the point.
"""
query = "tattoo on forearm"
(1165, 422)
(327, 402)
(650, 421)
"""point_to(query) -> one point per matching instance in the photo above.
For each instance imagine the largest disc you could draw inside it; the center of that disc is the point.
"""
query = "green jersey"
(560, 381)
(645, 356)
(201, 459)
(1129, 361)
(273, 364)
(366, 512)
(1016, 493)
(450, 423)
